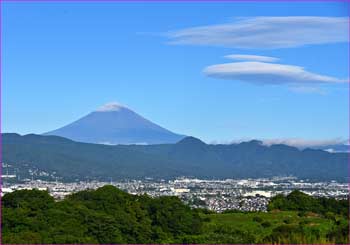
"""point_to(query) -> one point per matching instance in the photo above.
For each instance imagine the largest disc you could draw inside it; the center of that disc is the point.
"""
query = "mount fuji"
(116, 124)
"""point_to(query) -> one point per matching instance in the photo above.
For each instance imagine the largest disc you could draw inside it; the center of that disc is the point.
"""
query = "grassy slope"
(247, 222)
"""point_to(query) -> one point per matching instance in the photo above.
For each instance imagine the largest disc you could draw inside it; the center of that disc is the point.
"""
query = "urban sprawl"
(216, 195)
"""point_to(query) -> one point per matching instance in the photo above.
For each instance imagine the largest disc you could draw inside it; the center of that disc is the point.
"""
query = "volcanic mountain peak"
(116, 124)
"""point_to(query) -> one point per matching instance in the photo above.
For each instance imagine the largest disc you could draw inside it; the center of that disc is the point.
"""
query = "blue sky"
(166, 62)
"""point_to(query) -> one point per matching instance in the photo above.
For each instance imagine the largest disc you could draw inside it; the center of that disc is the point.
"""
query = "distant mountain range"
(334, 148)
(188, 157)
(116, 124)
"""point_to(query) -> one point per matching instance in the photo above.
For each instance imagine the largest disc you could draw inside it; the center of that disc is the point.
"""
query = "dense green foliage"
(106, 215)
(189, 157)
(299, 201)
(109, 215)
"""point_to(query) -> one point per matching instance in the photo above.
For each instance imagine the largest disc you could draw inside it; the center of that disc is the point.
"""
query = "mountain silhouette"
(116, 124)
(190, 157)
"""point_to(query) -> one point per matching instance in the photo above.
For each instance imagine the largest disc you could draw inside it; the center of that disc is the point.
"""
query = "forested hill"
(109, 216)
(188, 157)
(106, 215)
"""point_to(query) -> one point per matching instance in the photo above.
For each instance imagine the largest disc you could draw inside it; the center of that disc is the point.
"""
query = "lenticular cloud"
(266, 32)
(268, 73)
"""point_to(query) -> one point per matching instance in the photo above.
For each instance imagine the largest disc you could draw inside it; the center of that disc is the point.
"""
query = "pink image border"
(164, 1)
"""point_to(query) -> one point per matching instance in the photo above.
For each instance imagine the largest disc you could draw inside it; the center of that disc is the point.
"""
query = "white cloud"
(112, 106)
(296, 142)
(106, 143)
(267, 73)
(304, 143)
(252, 57)
(266, 32)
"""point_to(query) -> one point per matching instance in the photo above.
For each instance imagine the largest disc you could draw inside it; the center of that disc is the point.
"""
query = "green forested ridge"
(189, 157)
(299, 201)
(109, 215)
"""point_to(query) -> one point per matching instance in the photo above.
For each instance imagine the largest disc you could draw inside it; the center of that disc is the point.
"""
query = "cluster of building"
(216, 195)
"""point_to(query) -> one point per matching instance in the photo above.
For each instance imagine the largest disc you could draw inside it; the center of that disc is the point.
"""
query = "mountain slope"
(189, 157)
(116, 124)
(74, 160)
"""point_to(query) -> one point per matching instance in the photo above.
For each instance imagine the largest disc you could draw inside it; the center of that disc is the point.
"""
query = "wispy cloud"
(308, 90)
(252, 57)
(304, 143)
(266, 32)
(296, 142)
(268, 73)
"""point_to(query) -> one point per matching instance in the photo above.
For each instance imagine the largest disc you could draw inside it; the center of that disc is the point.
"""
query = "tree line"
(109, 215)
